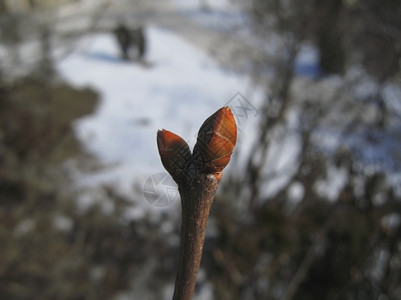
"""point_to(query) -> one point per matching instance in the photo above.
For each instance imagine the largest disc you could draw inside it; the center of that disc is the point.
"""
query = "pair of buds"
(215, 144)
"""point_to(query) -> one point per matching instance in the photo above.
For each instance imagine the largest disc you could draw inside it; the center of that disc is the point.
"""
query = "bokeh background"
(309, 207)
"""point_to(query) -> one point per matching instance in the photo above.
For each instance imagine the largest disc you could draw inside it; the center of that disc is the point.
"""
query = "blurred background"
(309, 207)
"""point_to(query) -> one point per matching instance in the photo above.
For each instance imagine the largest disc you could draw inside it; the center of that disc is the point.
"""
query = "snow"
(219, 16)
(332, 185)
(296, 192)
(392, 95)
(281, 161)
(177, 88)
(194, 4)
(63, 223)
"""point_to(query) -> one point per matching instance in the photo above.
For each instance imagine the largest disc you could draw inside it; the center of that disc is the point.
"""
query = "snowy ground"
(179, 86)
(177, 89)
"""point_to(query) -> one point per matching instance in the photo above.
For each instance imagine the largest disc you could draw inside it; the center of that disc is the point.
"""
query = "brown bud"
(216, 140)
(174, 152)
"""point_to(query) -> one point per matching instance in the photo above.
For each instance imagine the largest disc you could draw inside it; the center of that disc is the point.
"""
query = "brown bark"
(196, 200)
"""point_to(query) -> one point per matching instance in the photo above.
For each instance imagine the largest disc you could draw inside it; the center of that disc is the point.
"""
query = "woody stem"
(196, 200)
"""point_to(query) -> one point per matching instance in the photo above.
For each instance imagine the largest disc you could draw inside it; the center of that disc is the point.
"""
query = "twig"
(197, 176)
(195, 202)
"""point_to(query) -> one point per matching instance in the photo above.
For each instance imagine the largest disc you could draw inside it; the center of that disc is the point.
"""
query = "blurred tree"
(51, 248)
(343, 31)
(331, 240)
